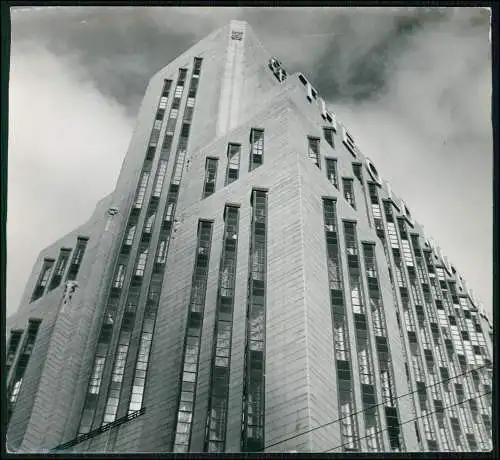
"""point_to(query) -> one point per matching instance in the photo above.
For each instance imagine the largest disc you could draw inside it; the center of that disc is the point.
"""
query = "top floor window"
(233, 162)
(256, 148)
(328, 133)
(313, 153)
(349, 191)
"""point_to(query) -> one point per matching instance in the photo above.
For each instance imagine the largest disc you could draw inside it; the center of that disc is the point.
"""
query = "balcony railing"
(100, 430)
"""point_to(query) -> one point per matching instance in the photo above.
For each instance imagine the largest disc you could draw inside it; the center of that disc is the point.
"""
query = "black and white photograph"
(248, 229)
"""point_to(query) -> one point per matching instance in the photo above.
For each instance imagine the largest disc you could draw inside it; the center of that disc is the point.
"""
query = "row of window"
(156, 282)
(417, 276)
(413, 282)
(115, 391)
(348, 426)
(191, 352)
(387, 388)
(221, 355)
(233, 162)
(57, 271)
(23, 346)
(111, 315)
(365, 356)
(155, 286)
(363, 348)
(252, 439)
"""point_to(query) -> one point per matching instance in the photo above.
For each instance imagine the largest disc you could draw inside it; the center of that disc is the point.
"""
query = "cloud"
(413, 84)
(66, 145)
(431, 122)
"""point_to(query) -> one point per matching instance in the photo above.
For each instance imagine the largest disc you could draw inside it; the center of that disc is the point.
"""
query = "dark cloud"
(131, 44)
(355, 65)
(120, 48)
(412, 84)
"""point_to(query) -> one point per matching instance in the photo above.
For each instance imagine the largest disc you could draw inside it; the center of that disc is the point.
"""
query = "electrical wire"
(413, 419)
(371, 407)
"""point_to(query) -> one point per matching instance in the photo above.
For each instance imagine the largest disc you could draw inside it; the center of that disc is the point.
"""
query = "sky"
(413, 85)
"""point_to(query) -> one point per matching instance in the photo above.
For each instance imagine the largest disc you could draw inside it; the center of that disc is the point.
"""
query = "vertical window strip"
(210, 177)
(365, 365)
(160, 112)
(313, 150)
(118, 369)
(451, 336)
(256, 148)
(382, 346)
(331, 171)
(254, 378)
(173, 115)
(348, 426)
(141, 190)
(22, 364)
(348, 187)
(60, 268)
(110, 313)
(215, 438)
(440, 391)
(127, 325)
(156, 282)
(233, 162)
(14, 342)
(191, 351)
(160, 178)
(43, 279)
(150, 220)
(142, 257)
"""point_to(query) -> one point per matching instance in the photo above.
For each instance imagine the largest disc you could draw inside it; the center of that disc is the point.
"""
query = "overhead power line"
(413, 419)
(371, 407)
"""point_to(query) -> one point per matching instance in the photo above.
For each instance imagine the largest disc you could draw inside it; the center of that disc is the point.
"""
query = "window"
(160, 178)
(22, 364)
(157, 124)
(210, 176)
(253, 400)
(256, 148)
(192, 339)
(60, 268)
(331, 171)
(81, 244)
(130, 235)
(313, 152)
(328, 133)
(358, 171)
(43, 279)
(164, 94)
(148, 226)
(139, 380)
(118, 368)
(141, 262)
(15, 340)
(347, 185)
(193, 88)
(197, 66)
(141, 190)
(393, 427)
(223, 333)
(120, 275)
(233, 162)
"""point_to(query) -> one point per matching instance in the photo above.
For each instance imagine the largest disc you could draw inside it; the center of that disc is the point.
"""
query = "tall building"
(251, 284)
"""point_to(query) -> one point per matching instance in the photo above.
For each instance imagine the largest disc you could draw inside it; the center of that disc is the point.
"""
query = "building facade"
(252, 284)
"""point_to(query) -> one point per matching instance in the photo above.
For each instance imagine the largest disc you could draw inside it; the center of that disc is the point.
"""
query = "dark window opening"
(210, 177)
